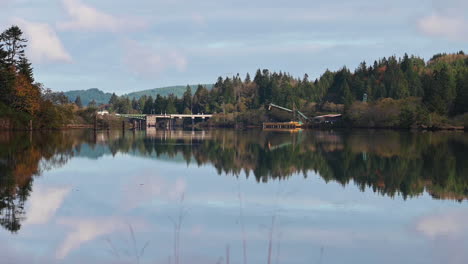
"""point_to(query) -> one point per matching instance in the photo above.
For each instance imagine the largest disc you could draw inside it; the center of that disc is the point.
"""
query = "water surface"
(234, 196)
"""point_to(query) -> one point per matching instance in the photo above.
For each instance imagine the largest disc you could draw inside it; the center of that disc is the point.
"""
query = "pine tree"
(395, 81)
(92, 104)
(78, 102)
(114, 98)
(149, 106)
(461, 99)
(171, 108)
(247, 78)
(187, 98)
(13, 44)
(347, 96)
(3, 57)
(135, 105)
(25, 68)
(440, 90)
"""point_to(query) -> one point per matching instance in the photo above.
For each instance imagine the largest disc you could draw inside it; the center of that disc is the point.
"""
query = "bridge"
(151, 120)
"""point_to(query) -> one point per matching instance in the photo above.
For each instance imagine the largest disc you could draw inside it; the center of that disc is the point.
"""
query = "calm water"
(234, 197)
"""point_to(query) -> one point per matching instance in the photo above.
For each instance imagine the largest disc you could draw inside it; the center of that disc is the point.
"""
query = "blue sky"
(126, 46)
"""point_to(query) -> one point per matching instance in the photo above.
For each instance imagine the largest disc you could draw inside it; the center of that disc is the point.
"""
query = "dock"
(282, 125)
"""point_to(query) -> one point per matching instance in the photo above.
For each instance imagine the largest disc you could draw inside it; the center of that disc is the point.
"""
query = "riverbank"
(86, 119)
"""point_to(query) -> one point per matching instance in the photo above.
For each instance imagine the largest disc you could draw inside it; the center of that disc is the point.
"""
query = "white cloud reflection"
(44, 202)
(85, 230)
(451, 224)
(150, 186)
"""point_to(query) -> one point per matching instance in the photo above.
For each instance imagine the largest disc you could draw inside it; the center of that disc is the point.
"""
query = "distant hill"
(88, 95)
(103, 98)
(165, 91)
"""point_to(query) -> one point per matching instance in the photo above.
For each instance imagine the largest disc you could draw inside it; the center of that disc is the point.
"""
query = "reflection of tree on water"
(387, 162)
(21, 158)
(12, 205)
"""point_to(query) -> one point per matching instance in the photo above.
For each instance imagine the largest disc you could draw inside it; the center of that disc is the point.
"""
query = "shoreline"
(91, 127)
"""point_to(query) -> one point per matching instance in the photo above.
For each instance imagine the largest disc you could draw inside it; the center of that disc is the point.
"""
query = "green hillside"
(165, 91)
(88, 95)
(103, 98)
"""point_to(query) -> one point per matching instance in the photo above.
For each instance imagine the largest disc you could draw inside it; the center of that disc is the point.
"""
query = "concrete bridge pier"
(151, 120)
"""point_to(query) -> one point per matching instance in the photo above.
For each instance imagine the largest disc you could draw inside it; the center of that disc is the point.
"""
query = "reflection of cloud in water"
(148, 185)
(448, 234)
(450, 224)
(44, 202)
(291, 203)
(85, 230)
(9, 254)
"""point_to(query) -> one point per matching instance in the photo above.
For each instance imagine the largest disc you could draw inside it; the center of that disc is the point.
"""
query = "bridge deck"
(144, 116)
(181, 116)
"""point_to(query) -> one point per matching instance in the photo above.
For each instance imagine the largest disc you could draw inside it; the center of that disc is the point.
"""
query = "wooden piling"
(95, 122)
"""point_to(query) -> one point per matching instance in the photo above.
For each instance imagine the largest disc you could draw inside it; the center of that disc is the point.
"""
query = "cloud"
(144, 61)
(44, 202)
(444, 26)
(44, 44)
(448, 19)
(87, 18)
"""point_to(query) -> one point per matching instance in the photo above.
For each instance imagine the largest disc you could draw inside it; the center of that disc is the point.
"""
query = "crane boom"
(279, 107)
(287, 110)
(302, 115)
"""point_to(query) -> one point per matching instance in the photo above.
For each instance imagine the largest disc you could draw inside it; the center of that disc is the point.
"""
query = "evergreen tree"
(159, 104)
(395, 81)
(247, 78)
(187, 98)
(440, 90)
(25, 68)
(113, 100)
(461, 99)
(13, 44)
(171, 108)
(78, 102)
(149, 106)
(92, 104)
(348, 97)
(136, 105)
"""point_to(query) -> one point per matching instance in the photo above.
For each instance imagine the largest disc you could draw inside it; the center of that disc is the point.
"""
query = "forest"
(391, 92)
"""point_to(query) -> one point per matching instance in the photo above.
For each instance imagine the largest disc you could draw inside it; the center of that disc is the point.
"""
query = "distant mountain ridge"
(177, 90)
(102, 97)
(89, 95)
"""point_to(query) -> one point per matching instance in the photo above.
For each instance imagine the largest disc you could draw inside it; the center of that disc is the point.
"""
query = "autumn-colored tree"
(26, 95)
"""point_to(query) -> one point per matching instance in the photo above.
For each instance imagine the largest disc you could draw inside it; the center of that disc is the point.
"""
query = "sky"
(125, 46)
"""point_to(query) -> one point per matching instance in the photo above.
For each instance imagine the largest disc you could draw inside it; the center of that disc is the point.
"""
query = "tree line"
(440, 85)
